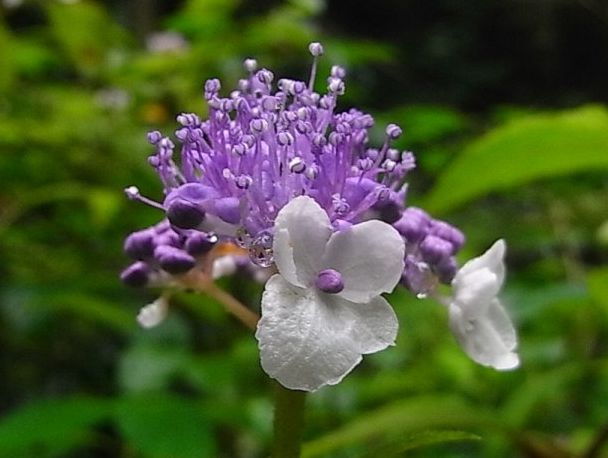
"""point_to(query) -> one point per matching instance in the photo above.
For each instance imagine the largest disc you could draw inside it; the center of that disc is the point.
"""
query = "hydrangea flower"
(477, 318)
(292, 184)
(323, 310)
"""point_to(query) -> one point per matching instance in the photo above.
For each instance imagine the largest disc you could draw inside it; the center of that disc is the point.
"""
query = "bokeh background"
(504, 103)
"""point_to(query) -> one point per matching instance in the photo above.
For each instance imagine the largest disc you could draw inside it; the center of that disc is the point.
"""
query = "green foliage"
(526, 149)
(80, 379)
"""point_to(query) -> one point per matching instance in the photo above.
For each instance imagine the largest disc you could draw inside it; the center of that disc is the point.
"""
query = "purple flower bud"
(316, 49)
(198, 243)
(448, 233)
(446, 270)
(329, 281)
(136, 275)
(140, 244)
(227, 209)
(434, 249)
(413, 224)
(184, 214)
(393, 131)
(173, 260)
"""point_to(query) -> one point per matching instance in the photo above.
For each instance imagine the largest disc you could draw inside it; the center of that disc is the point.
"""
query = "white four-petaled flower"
(323, 310)
(477, 318)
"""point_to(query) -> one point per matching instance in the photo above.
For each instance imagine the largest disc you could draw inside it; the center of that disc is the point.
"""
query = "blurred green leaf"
(403, 417)
(162, 426)
(85, 32)
(50, 427)
(423, 439)
(526, 149)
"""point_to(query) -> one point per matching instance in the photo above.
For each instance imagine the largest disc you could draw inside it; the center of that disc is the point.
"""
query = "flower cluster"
(294, 184)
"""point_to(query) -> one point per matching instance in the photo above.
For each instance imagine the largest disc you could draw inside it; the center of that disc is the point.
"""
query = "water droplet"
(260, 250)
(243, 238)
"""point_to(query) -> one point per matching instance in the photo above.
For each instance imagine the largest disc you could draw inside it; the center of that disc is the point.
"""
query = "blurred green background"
(504, 103)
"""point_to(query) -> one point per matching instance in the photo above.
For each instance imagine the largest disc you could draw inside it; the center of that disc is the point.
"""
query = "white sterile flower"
(153, 314)
(323, 310)
(477, 318)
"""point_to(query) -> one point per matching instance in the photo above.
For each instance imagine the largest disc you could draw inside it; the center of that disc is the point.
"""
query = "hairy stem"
(288, 422)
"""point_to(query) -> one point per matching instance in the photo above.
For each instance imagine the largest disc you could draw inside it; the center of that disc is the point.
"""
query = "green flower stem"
(288, 422)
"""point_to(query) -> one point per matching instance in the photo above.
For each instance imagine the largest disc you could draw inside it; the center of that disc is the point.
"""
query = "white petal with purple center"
(369, 256)
(310, 339)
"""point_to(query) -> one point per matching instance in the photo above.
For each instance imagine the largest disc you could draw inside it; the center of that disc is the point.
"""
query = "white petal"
(492, 259)
(302, 229)
(308, 340)
(153, 314)
(369, 256)
(489, 339)
(475, 291)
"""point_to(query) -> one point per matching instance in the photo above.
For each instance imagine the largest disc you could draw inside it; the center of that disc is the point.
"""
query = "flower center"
(330, 281)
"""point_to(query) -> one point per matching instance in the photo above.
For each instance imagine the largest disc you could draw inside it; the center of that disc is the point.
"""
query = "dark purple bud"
(449, 233)
(140, 244)
(173, 260)
(434, 249)
(446, 270)
(168, 238)
(198, 243)
(184, 214)
(413, 224)
(136, 275)
(228, 209)
(329, 281)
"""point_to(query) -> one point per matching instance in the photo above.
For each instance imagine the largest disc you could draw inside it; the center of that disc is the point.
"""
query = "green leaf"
(161, 426)
(523, 150)
(417, 440)
(403, 417)
(50, 427)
